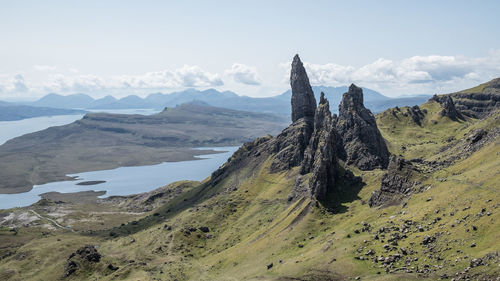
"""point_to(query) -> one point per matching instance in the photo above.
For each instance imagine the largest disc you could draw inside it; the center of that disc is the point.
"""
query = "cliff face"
(360, 142)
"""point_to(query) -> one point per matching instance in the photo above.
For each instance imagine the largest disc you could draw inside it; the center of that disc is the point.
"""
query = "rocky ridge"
(479, 101)
(315, 139)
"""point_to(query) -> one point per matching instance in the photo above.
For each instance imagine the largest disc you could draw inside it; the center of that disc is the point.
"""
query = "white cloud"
(15, 84)
(417, 74)
(413, 75)
(186, 76)
(243, 74)
(44, 68)
(80, 83)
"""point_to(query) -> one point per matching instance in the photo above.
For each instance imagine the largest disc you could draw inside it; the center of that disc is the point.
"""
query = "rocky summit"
(360, 142)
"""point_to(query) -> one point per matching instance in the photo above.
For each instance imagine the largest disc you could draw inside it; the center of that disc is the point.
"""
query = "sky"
(141, 47)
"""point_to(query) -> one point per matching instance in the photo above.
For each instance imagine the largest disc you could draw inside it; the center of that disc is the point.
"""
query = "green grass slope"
(254, 233)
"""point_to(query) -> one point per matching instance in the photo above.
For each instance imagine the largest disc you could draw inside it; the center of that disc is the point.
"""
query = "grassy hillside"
(254, 233)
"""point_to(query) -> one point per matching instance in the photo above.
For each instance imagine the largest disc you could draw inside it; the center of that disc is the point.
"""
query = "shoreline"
(189, 153)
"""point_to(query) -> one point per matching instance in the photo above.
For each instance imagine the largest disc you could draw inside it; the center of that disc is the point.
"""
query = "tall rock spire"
(303, 100)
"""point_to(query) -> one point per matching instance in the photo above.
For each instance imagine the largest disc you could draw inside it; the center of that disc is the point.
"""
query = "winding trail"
(51, 220)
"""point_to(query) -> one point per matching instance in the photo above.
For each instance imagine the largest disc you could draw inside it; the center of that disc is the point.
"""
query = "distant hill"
(278, 104)
(59, 101)
(101, 141)
(13, 112)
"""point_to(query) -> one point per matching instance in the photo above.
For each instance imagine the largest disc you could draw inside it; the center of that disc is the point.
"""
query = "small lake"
(127, 180)
(12, 129)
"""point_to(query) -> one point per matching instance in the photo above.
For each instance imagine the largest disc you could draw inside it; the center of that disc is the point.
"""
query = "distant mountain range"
(278, 104)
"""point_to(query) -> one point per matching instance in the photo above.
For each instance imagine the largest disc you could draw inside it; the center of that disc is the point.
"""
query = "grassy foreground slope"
(253, 233)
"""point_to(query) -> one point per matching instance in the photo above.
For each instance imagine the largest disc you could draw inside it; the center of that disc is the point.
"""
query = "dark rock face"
(360, 142)
(448, 106)
(399, 180)
(303, 100)
(320, 154)
(289, 146)
(416, 114)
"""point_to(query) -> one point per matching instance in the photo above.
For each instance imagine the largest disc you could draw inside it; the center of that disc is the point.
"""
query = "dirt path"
(51, 220)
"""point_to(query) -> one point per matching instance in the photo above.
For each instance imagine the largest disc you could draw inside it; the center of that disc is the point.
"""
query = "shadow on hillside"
(346, 189)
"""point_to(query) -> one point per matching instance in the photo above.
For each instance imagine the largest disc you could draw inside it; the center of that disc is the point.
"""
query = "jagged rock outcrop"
(320, 155)
(84, 255)
(360, 142)
(399, 180)
(313, 142)
(448, 106)
(416, 114)
(309, 142)
(479, 101)
(303, 100)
